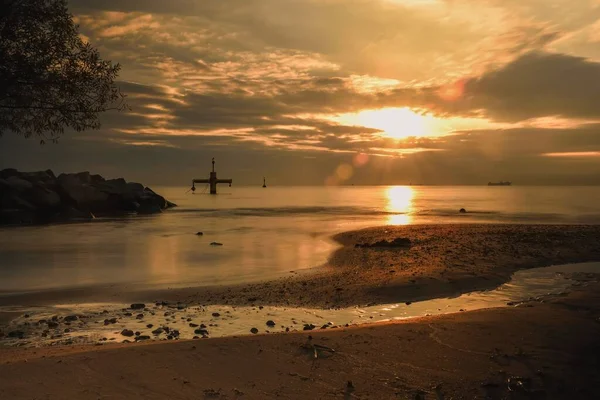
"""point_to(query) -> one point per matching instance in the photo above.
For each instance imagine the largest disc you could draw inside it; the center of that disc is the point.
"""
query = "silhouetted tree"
(50, 78)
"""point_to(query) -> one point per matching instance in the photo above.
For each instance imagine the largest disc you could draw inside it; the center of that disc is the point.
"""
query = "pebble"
(254, 330)
(271, 323)
(127, 332)
(137, 306)
(216, 314)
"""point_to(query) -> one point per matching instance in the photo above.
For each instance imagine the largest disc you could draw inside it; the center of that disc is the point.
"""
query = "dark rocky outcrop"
(42, 197)
(399, 242)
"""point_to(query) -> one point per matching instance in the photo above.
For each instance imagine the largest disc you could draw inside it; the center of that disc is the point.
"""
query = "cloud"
(537, 85)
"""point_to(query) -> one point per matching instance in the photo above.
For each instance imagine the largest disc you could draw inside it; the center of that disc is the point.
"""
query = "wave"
(366, 212)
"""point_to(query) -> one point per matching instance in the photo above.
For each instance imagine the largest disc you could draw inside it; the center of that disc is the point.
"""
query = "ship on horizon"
(501, 183)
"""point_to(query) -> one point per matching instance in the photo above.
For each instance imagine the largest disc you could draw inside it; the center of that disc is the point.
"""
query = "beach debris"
(420, 395)
(462, 211)
(127, 332)
(16, 334)
(399, 242)
(309, 327)
(518, 383)
(216, 244)
(254, 331)
(199, 233)
(271, 323)
(316, 349)
(137, 306)
(199, 331)
(212, 393)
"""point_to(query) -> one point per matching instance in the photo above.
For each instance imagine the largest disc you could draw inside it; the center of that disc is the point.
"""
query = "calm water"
(266, 232)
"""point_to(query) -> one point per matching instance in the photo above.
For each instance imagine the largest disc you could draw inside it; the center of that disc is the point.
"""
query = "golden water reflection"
(399, 204)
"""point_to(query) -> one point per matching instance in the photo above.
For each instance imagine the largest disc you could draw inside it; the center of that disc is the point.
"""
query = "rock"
(142, 337)
(216, 244)
(18, 184)
(199, 233)
(16, 334)
(149, 326)
(127, 332)
(70, 318)
(216, 314)
(408, 303)
(192, 325)
(201, 331)
(158, 331)
(110, 321)
(40, 197)
(309, 327)
(138, 333)
(139, 316)
(52, 324)
(270, 323)
(463, 211)
(254, 331)
(137, 306)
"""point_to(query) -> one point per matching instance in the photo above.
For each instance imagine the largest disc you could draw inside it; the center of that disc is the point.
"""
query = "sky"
(338, 92)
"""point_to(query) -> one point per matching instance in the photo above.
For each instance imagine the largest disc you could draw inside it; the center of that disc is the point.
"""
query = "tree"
(50, 78)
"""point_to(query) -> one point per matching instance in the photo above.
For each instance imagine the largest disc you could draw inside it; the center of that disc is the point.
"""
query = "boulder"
(8, 172)
(18, 184)
(84, 197)
(40, 197)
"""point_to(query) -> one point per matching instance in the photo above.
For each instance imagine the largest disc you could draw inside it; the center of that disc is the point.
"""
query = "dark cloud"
(538, 85)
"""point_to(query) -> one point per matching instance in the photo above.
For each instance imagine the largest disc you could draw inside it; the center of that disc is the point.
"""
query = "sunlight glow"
(396, 123)
(400, 200)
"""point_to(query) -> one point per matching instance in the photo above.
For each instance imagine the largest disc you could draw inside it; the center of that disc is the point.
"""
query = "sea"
(265, 233)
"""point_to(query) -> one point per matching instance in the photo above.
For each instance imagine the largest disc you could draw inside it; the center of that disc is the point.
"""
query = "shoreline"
(523, 351)
(519, 352)
(443, 261)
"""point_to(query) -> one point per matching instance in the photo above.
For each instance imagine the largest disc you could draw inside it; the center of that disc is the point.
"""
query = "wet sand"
(548, 350)
(444, 260)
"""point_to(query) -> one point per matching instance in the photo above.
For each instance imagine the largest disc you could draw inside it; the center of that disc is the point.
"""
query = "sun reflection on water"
(400, 203)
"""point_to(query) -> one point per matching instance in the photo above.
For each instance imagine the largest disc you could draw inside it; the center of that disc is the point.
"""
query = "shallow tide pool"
(109, 322)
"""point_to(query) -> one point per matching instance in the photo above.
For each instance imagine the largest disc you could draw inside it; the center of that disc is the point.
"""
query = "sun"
(397, 123)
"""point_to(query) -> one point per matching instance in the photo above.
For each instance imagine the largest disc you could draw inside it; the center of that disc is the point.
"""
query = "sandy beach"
(547, 348)
(544, 350)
